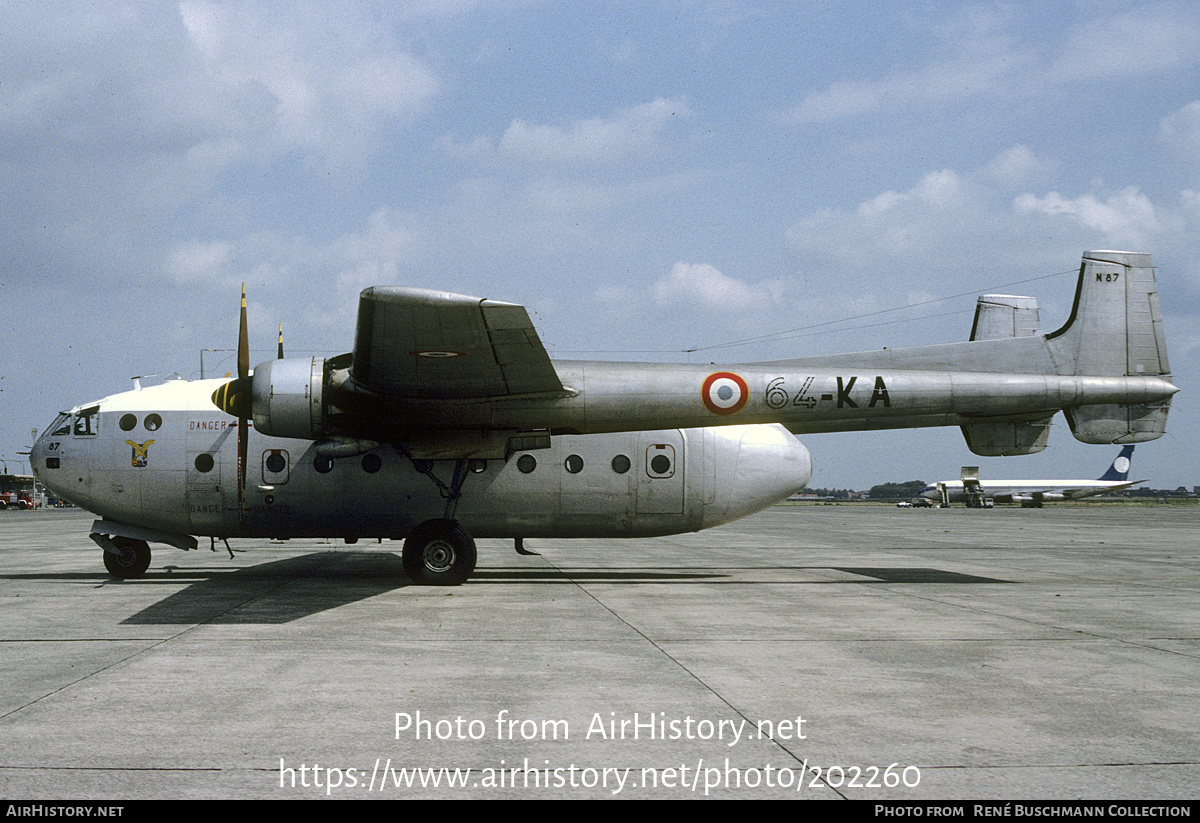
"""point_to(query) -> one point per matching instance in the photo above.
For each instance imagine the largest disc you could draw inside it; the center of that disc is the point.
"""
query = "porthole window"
(128, 421)
(574, 464)
(204, 462)
(323, 464)
(371, 463)
(153, 421)
(660, 464)
(476, 466)
(621, 464)
(275, 462)
(526, 463)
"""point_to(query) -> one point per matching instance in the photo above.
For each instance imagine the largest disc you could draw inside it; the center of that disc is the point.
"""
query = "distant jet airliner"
(1032, 493)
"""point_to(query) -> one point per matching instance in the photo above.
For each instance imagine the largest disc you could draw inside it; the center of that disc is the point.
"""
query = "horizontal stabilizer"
(1133, 423)
(999, 438)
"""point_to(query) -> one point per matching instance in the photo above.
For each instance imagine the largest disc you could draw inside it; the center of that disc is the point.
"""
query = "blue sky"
(649, 178)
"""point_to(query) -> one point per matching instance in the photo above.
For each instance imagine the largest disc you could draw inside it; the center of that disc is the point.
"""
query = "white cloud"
(943, 209)
(1140, 41)
(703, 285)
(333, 81)
(1017, 166)
(950, 227)
(984, 54)
(1180, 133)
(633, 133)
(975, 56)
(1126, 219)
(197, 261)
(278, 266)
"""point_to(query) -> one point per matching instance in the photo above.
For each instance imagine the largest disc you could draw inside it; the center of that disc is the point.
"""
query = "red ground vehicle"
(18, 492)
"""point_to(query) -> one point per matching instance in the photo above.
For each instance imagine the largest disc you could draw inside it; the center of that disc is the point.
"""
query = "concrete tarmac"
(815, 652)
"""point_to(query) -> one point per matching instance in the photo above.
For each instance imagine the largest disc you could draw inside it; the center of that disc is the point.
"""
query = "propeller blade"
(243, 437)
(235, 398)
(280, 341)
(243, 353)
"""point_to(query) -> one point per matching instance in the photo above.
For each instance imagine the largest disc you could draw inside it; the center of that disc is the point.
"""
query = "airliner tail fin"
(1119, 470)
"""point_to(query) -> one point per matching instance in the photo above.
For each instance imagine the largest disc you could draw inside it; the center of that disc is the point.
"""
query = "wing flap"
(429, 344)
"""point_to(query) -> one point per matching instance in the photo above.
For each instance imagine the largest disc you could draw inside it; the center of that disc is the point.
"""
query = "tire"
(133, 560)
(439, 553)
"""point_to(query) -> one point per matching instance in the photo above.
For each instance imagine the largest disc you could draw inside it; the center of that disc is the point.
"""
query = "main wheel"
(439, 553)
(133, 560)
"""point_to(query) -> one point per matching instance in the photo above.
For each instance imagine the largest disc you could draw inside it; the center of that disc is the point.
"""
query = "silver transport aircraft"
(448, 421)
(1031, 494)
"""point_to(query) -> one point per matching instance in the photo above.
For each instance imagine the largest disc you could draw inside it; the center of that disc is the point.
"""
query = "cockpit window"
(87, 422)
(61, 426)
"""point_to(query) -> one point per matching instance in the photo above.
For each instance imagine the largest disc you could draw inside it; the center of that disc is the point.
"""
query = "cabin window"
(323, 464)
(204, 463)
(128, 421)
(526, 463)
(152, 422)
(574, 464)
(371, 463)
(621, 464)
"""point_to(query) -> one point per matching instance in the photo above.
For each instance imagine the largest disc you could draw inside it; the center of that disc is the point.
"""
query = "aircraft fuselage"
(165, 458)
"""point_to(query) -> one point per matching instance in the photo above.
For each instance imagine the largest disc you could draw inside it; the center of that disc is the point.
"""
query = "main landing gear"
(439, 553)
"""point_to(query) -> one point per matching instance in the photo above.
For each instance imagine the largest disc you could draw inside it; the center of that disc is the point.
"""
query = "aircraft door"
(661, 473)
(206, 475)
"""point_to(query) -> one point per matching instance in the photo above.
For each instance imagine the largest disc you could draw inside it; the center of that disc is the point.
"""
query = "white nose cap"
(771, 466)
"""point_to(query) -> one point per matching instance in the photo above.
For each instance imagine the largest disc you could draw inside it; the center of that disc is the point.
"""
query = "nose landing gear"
(131, 559)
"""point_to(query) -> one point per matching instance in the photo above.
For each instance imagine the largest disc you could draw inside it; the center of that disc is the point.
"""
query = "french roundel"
(724, 392)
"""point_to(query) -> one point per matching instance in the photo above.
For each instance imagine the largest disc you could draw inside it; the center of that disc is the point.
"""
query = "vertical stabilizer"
(999, 316)
(1115, 326)
(1118, 472)
(1115, 329)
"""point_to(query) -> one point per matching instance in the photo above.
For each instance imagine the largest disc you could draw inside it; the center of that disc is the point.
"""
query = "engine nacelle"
(289, 397)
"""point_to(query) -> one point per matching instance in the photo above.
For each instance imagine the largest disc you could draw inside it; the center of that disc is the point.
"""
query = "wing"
(430, 344)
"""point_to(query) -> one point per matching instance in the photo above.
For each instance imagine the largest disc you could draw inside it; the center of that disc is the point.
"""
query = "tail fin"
(1117, 299)
(1119, 470)
(999, 316)
(1115, 329)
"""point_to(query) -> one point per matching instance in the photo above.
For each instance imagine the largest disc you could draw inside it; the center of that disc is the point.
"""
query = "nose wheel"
(131, 559)
(439, 553)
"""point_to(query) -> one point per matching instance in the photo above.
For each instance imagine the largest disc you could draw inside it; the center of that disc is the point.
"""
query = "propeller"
(234, 398)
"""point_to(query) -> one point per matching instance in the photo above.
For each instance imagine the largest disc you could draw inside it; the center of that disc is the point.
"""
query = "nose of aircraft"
(37, 456)
(770, 465)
